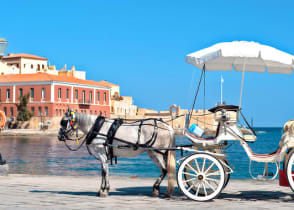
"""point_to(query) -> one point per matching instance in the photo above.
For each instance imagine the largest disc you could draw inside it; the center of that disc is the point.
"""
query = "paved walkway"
(60, 192)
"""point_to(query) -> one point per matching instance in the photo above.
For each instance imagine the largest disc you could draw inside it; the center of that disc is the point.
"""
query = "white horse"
(129, 140)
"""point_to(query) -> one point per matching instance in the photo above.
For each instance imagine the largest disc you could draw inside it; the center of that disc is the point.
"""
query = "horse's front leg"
(104, 189)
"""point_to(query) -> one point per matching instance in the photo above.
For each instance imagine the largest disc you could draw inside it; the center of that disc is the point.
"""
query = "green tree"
(23, 112)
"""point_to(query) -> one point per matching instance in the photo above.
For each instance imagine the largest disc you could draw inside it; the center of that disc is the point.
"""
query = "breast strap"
(95, 129)
(110, 136)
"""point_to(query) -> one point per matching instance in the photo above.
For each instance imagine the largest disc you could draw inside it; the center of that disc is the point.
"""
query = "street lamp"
(3, 45)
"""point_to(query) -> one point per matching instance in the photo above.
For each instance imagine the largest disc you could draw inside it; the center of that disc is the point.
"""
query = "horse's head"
(68, 125)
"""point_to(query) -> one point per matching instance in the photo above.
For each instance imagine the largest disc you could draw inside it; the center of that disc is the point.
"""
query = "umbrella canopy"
(243, 56)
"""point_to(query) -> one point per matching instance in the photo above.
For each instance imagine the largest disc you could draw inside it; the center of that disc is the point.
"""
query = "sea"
(46, 155)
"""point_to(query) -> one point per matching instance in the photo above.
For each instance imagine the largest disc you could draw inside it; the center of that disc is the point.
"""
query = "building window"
(0, 95)
(39, 67)
(43, 93)
(104, 114)
(20, 92)
(59, 92)
(40, 111)
(33, 111)
(104, 97)
(59, 112)
(67, 93)
(24, 65)
(17, 65)
(56, 112)
(98, 97)
(8, 94)
(84, 95)
(11, 111)
(95, 112)
(32, 66)
(5, 111)
(90, 112)
(43, 66)
(46, 111)
(76, 94)
(32, 92)
(91, 97)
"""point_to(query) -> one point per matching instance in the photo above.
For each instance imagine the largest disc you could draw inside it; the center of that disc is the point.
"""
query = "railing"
(86, 102)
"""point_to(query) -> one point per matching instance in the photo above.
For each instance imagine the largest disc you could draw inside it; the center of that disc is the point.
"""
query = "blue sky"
(141, 46)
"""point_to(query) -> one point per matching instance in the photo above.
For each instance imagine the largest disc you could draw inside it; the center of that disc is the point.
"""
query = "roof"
(41, 77)
(23, 55)
(107, 84)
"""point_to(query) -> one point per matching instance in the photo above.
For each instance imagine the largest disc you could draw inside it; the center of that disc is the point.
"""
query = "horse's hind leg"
(160, 159)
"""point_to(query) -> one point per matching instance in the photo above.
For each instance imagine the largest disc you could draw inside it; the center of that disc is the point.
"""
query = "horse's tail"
(171, 165)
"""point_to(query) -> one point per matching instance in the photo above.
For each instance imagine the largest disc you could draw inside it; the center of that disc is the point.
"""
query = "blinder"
(67, 126)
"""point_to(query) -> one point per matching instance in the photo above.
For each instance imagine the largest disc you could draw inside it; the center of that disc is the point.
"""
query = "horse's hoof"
(102, 194)
(167, 195)
(155, 193)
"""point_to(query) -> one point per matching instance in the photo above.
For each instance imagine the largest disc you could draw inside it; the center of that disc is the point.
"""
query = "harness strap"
(139, 132)
(152, 140)
(110, 136)
(95, 129)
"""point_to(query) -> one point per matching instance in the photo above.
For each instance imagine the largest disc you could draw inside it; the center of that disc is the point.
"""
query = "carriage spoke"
(197, 191)
(193, 169)
(204, 159)
(189, 174)
(197, 165)
(205, 192)
(209, 167)
(190, 187)
(213, 180)
(216, 173)
(209, 185)
(188, 180)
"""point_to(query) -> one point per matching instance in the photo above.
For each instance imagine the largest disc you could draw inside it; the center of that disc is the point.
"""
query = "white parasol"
(255, 56)
(243, 56)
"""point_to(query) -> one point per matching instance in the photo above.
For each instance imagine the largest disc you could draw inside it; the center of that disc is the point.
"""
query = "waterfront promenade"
(77, 192)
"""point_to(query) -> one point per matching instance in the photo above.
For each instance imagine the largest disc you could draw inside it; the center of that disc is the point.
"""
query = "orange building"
(50, 95)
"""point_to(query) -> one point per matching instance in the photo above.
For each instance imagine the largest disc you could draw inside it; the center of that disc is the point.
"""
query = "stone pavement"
(71, 192)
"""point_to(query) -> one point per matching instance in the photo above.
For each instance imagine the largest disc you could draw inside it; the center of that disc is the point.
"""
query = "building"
(50, 95)
(121, 106)
(72, 73)
(5, 69)
(22, 63)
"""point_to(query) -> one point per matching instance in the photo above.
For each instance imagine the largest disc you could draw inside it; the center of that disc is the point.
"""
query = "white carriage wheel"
(201, 177)
(290, 171)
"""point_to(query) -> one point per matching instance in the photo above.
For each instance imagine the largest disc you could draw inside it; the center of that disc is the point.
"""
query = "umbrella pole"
(242, 84)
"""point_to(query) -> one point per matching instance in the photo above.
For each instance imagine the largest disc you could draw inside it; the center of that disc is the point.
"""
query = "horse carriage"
(205, 172)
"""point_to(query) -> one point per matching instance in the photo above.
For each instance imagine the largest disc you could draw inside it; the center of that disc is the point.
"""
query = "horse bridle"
(68, 127)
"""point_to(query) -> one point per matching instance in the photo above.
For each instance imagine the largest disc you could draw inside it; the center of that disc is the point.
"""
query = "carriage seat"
(204, 139)
(249, 138)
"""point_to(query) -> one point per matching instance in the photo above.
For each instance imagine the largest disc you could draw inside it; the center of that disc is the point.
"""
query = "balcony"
(85, 102)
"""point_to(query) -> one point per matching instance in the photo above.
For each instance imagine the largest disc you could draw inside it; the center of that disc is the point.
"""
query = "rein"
(77, 141)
